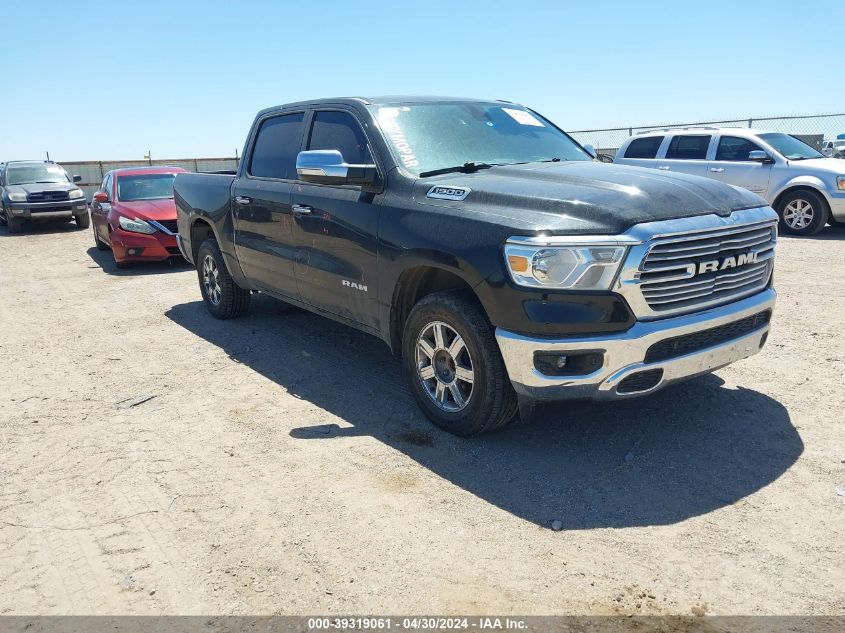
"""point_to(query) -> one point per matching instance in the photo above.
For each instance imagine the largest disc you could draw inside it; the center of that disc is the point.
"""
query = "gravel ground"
(278, 464)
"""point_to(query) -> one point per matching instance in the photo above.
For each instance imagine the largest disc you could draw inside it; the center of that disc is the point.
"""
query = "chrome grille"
(671, 277)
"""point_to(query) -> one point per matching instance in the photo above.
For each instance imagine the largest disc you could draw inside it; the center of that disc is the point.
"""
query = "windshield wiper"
(466, 168)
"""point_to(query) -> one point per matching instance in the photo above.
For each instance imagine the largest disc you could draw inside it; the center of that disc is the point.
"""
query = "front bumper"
(64, 209)
(137, 247)
(624, 354)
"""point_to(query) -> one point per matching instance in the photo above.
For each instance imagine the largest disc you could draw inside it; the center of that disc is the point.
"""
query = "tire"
(83, 221)
(14, 225)
(803, 212)
(222, 296)
(489, 401)
(100, 244)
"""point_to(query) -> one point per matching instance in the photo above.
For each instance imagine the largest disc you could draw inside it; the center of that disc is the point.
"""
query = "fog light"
(577, 363)
(18, 211)
(134, 251)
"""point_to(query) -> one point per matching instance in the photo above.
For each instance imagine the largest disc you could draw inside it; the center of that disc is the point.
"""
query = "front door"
(100, 211)
(731, 165)
(261, 204)
(335, 228)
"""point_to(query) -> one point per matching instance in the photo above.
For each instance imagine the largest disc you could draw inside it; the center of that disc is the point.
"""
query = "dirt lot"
(280, 465)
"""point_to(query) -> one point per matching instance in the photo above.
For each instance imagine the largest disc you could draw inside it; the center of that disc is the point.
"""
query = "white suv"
(806, 188)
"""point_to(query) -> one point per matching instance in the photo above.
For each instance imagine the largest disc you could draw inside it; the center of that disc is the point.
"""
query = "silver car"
(806, 188)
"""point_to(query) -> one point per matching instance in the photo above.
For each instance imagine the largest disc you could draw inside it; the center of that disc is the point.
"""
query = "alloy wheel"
(444, 366)
(211, 280)
(798, 214)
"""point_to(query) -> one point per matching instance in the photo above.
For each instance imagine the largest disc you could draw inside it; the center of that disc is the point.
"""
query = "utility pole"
(149, 156)
(48, 157)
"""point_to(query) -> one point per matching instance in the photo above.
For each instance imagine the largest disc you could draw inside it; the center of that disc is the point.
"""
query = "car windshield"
(26, 174)
(431, 136)
(790, 147)
(145, 187)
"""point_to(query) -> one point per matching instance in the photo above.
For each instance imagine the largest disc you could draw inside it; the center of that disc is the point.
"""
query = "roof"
(137, 171)
(379, 100)
(703, 129)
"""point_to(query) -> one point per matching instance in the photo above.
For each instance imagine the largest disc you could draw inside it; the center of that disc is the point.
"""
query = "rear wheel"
(223, 297)
(803, 212)
(453, 365)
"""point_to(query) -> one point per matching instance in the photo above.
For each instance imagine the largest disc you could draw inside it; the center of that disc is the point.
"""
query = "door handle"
(664, 167)
(718, 170)
(242, 200)
(301, 209)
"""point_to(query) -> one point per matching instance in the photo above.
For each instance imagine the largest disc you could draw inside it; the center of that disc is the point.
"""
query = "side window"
(340, 131)
(644, 147)
(688, 147)
(735, 148)
(276, 146)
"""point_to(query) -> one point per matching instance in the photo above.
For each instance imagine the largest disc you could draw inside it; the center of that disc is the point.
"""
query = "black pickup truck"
(486, 247)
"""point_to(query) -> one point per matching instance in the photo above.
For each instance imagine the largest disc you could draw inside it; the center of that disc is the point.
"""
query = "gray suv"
(39, 190)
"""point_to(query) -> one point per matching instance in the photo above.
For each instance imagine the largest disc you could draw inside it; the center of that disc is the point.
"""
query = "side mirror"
(591, 150)
(77, 178)
(101, 197)
(759, 156)
(327, 167)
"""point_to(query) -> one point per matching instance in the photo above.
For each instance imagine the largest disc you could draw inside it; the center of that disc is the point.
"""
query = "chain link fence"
(813, 129)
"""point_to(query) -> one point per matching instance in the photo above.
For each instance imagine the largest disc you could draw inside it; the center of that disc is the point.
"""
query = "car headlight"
(840, 183)
(135, 226)
(76, 194)
(565, 267)
(16, 196)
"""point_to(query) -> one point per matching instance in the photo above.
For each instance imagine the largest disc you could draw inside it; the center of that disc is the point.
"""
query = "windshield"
(27, 174)
(431, 136)
(145, 187)
(790, 147)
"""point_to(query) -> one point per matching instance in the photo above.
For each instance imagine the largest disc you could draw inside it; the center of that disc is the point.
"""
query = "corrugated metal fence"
(93, 172)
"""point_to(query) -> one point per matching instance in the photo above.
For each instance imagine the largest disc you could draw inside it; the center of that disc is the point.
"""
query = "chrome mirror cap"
(327, 166)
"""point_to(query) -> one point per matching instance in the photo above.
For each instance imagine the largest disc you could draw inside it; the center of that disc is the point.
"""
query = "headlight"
(76, 193)
(565, 267)
(135, 226)
(840, 183)
(16, 196)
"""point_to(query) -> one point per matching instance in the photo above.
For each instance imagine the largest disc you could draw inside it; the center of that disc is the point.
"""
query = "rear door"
(642, 152)
(335, 227)
(731, 165)
(261, 203)
(687, 154)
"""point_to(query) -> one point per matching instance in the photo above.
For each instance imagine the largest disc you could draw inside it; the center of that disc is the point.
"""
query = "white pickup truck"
(806, 188)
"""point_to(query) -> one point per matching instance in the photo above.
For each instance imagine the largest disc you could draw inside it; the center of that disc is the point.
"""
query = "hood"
(586, 196)
(828, 165)
(41, 187)
(158, 210)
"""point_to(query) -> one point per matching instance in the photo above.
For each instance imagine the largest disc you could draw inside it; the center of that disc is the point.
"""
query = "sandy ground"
(280, 465)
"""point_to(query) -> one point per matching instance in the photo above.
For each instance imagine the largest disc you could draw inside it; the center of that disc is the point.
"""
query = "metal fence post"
(750, 121)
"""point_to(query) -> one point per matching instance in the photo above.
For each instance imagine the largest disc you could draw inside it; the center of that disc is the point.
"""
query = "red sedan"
(133, 213)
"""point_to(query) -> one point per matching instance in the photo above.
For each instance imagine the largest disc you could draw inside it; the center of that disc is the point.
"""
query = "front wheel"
(453, 365)
(13, 225)
(802, 213)
(223, 297)
(83, 221)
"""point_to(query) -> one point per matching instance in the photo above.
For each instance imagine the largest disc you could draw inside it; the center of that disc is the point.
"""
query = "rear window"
(276, 147)
(644, 147)
(688, 147)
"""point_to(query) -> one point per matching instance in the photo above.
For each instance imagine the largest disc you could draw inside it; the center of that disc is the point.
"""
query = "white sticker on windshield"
(524, 117)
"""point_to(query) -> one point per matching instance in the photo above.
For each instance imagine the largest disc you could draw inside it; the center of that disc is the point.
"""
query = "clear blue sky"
(110, 80)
